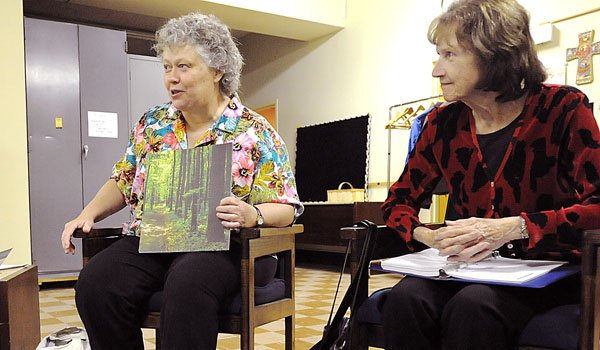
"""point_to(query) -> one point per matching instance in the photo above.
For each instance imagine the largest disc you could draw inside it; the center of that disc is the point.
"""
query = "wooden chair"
(272, 302)
(566, 327)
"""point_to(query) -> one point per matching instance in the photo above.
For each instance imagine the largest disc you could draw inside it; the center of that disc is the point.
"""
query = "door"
(53, 123)
(146, 86)
(270, 113)
(104, 110)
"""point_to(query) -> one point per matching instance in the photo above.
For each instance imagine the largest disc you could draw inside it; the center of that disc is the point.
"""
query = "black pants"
(425, 314)
(114, 288)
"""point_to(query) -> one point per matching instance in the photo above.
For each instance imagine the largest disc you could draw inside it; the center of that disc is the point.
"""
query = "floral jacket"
(260, 169)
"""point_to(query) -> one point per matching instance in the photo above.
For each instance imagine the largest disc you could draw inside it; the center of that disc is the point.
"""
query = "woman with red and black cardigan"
(522, 162)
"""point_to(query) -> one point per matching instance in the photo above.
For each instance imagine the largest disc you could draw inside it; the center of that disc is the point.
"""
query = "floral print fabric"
(261, 171)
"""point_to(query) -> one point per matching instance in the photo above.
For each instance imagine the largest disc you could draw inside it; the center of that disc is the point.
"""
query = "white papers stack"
(428, 263)
(3, 255)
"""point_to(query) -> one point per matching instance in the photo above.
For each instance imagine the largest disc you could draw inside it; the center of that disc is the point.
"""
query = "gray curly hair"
(212, 41)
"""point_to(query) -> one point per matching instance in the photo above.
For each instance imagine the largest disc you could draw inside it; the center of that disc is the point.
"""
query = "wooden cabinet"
(19, 308)
(322, 223)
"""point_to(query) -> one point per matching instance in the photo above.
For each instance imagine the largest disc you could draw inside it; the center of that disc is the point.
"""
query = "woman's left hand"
(235, 213)
(484, 236)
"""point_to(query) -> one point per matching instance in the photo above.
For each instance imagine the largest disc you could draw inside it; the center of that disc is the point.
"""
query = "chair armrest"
(389, 244)
(590, 298)
(98, 232)
(256, 232)
(96, 240)
(260, 241)
(359, 232)
(265, 240)
(245, 233)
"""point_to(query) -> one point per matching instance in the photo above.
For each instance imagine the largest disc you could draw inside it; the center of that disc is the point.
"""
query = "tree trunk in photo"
(149, 193)
(203, 200)
(172, 185)
(195, 196)
(218, 187)
(181, 183)
(186, 186)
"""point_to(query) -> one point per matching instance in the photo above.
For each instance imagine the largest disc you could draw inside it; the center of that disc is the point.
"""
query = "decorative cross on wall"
(584, 53)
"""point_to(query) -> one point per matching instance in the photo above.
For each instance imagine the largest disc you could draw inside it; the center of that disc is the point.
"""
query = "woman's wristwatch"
(524, 232)
(259, 217)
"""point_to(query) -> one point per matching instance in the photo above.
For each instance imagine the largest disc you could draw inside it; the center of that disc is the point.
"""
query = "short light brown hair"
(497, 32)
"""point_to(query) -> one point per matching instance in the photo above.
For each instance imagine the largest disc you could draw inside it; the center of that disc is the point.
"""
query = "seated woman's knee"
(408, 290)
(93, 279)
(472, 297)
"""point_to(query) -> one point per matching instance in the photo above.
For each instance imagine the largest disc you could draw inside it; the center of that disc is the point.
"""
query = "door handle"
(86, 149)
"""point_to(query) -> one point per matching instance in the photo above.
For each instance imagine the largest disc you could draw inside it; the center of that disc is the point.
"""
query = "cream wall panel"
(14, 186)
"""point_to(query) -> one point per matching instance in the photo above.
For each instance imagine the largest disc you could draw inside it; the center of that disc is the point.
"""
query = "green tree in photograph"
(180, 200)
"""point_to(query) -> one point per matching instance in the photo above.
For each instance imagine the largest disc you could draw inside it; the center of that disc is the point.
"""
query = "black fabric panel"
(330, 153)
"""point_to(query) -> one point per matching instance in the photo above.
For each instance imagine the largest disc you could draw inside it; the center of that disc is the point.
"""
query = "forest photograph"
(182, 191)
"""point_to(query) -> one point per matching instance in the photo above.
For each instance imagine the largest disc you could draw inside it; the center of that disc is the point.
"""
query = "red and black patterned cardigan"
(550, 174)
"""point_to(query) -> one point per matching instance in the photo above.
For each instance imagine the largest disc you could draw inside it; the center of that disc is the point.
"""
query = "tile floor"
(315, 288)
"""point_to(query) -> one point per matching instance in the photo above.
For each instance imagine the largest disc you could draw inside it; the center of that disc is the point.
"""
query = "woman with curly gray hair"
(211, 40)
(202, 68)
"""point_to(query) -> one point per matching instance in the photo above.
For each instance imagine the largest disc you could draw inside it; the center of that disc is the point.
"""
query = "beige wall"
(566, 32)
(14, 187)
(381, 58)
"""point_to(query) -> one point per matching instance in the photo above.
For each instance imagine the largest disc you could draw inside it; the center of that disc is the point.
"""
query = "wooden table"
(19, 308)
(322, 223)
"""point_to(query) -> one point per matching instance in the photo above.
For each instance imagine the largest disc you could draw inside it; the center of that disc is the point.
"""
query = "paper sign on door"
(103, 124)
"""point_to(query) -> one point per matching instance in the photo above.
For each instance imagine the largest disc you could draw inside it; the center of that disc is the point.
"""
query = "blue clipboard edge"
(540, 282)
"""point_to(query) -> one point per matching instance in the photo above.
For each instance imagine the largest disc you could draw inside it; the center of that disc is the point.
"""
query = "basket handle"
(345, 183)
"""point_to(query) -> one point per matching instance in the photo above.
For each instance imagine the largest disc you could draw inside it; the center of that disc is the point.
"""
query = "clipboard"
(539, 282)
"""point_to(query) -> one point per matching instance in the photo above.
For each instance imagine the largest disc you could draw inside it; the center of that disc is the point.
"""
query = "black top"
(493, 147)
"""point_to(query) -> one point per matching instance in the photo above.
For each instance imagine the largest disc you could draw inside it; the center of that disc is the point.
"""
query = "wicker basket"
(347, 195)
